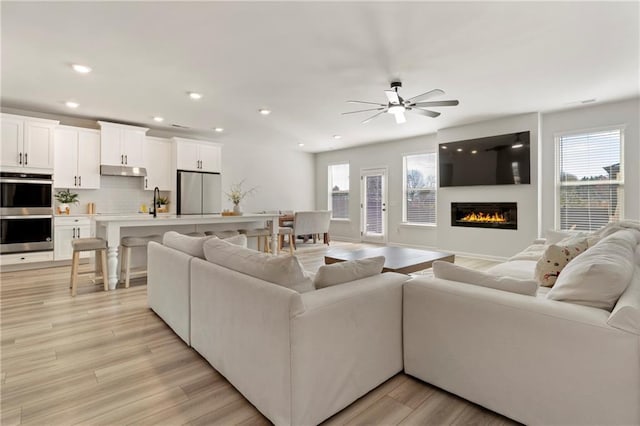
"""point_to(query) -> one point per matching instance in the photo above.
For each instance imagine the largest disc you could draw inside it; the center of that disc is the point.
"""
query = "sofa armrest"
(347, 341)
(535, 360)
(168, 287)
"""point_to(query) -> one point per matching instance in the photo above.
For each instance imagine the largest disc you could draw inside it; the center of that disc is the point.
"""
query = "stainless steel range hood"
(106, 170)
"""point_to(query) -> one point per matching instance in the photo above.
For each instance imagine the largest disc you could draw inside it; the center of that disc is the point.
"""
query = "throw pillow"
(342, 272)
(452, 272)
(282, 270)
(556, 257)
(185, 243)
(598, 277)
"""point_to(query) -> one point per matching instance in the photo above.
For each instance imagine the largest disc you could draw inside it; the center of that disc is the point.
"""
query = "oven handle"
(31, 216)
(5, 180)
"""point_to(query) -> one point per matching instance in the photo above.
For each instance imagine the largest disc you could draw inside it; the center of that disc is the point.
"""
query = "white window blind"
(591, 179)
(419, 191)
(339, 191)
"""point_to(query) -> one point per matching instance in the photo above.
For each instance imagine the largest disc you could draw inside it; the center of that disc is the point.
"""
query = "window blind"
(420, 188)
(591, 179)
(339, 190)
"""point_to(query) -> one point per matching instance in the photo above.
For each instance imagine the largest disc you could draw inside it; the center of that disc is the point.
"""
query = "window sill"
(418, 225)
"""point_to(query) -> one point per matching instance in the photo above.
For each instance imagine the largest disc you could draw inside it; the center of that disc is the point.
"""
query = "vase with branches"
(236, 194)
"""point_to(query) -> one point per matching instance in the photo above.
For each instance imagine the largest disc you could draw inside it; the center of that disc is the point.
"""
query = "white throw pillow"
(599, 276)
(282, 270)
(185, 243)
(452, 272)
(342, 272)
(556, 257)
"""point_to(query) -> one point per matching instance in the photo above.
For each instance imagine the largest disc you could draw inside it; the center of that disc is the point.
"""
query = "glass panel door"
(374, 205)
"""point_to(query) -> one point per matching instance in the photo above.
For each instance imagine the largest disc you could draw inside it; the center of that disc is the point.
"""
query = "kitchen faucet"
(156, 195)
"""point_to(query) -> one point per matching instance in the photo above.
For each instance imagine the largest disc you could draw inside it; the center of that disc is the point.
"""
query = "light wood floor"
(106, 358)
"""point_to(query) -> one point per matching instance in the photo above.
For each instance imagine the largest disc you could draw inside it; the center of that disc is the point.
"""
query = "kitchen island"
(111, 227)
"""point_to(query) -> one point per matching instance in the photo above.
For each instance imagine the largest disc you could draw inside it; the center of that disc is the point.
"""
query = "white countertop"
(143, 219)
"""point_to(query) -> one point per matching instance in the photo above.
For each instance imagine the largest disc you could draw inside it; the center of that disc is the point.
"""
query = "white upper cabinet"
(157, 154)
(27, 143)
(122, 145)
(200, 156)
(77, 158)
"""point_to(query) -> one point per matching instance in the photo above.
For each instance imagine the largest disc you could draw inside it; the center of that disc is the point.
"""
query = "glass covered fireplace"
(485, 215)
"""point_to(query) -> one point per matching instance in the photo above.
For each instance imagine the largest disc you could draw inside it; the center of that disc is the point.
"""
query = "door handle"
(79, 180)
(74, 232)
(20, 158)
(75, 181)
(26, 158)
(384, 210)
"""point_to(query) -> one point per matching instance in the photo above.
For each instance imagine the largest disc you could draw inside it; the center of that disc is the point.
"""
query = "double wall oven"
(26, 212)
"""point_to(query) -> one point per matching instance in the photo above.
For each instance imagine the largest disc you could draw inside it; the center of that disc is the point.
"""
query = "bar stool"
(88, 244)
(129, 243)
(286, 230)
(259, 233)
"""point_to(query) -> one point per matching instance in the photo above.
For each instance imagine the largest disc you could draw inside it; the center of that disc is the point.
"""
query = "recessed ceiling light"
(195, 96)
(219, 129)
(337, 136)
(459, 149)
(300, 144)
(72, 104)
(474, 152)
(158, 119)
(264, 111)
(82, 69)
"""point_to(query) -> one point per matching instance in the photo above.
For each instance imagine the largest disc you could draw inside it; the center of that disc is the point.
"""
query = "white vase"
(63, 208)
(236, 210)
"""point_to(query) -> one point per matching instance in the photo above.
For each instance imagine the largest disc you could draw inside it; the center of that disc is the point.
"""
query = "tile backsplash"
(117, 194)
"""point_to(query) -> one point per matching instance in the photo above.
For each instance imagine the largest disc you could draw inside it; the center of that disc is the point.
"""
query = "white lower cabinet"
(19, 258)
(67, 229)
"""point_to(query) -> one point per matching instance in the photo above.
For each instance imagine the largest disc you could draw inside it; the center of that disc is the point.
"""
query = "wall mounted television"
(493, 160)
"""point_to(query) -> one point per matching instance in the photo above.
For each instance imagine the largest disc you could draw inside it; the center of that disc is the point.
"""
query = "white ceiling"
(303, 60)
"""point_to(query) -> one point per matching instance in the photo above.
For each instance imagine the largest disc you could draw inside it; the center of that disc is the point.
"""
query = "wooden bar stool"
(286, 230)
(129, 243)
(99, 245)
(259, 233)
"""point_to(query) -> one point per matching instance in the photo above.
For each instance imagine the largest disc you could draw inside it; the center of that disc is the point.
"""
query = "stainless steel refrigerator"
(199, 193)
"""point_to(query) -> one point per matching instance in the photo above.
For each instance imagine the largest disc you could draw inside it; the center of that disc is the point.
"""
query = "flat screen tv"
(494, 160)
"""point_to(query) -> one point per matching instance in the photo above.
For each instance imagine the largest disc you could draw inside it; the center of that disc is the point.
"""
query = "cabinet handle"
(75, 181)
(146, 183)
(78, 232)
(79, 180)
(20, 158)
(74, 232)
(121, 159)
(126, 159)
(26, 159)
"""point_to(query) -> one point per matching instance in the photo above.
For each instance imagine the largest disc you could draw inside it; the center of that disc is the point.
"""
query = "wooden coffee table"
(397, 259)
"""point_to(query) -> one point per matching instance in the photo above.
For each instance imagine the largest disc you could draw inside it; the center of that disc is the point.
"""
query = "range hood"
(106, 170)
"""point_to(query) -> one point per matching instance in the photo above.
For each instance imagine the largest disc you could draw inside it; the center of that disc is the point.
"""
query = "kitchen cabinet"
(77, 158)
(66, 229)
(199, 156)
(121, 145)
(157, 157)
(27, 143)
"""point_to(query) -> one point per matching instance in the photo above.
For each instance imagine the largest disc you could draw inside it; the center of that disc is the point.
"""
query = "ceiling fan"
(397, 105)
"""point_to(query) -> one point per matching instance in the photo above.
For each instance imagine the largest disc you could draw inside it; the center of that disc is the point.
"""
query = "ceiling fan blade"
(362, 110)
(392, 96)
(426, 112)
(400, 118)
(365, 102)
(372, 117)
(429, 94)
(436, 103)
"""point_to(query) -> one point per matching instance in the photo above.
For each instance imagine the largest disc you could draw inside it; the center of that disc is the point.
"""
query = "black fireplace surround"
(485, 215)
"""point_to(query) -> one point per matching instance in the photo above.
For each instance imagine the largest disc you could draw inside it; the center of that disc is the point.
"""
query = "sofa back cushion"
(626, 314)
(452, 272)
(283, 270)
(342, 272)
(194, 245)
(600, 275)
(556, 257)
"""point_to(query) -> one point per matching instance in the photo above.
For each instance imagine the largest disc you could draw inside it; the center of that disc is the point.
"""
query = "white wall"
(389, 155)
(625, 113)
(487, 241)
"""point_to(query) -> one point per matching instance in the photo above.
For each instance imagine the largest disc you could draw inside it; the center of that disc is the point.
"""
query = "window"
(419, 189)
(590, 179)
(339, 191)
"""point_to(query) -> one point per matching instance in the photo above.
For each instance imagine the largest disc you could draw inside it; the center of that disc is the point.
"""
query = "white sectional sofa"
(297, 357)
(533, 359)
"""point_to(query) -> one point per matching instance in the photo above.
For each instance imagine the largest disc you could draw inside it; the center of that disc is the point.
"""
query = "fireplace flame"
(484, 218)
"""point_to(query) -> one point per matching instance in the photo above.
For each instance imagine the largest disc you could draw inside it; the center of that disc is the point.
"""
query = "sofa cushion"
(185, 243)
(342, 272)
(556, 257)
(453, 272)
(626, 314)
(282, 270)
(521, 269)
(599, 276)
